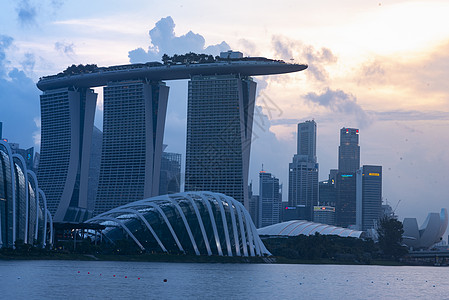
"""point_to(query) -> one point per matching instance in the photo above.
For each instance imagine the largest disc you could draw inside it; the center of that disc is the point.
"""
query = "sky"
(380, 66)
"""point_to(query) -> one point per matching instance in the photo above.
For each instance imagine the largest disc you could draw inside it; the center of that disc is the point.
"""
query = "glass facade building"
(23, 208)
(201, 223)
(133, 131)
(219, 129)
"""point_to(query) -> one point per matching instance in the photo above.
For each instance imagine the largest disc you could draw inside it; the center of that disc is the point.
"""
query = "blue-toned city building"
(23, 209)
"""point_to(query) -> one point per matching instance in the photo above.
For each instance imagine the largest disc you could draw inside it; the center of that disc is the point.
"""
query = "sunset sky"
(381, 66)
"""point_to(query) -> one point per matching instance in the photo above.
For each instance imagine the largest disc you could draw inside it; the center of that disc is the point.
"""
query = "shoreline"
(194, 259)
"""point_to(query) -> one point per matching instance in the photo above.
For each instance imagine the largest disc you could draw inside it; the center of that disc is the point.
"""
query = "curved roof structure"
(156, 72)
(430, 232)
(201, 223)
(298, 227)
(23, 209)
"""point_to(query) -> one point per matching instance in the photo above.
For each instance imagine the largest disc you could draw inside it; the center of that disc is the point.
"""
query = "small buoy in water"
(165, 280)
(372, 281)
(18, 277)
(79, 272)
(138, 278)
(126, 276)
(88, 272)
(388, 283)
(113, 275)
(433, 285)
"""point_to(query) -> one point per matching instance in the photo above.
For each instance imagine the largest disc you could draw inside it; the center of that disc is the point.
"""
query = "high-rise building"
(133, 130)
(269, 200)
(219, 129)
(94, 167)
(67, 118)
(346, 199)
(306, 143)
(369, 196)
(324, 214)
(27, 154)
(349, 150)
(327, 193)
(303, 170)
(170, 179)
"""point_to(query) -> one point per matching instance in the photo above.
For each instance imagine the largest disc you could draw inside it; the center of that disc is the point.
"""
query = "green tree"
(390, 237)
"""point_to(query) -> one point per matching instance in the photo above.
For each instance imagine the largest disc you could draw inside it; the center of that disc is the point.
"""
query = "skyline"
(367, 70)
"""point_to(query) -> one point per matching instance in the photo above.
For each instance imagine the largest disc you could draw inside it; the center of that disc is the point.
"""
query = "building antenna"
(262, 167)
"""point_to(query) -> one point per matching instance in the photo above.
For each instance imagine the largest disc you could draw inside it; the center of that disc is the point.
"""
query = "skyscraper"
(346, 199)
(349, 150)
(269, 200)
(219, 128)
(306, 143)
(133, 130)
(170, 179)
(369, 196)
(303, 170)
(67, 119)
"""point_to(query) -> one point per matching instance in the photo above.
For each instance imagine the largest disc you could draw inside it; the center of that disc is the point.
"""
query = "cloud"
(28, 62)
(65, 48)
(165, 41)
(26, 13)
(317, 59)
(337, 101)
(19, 99)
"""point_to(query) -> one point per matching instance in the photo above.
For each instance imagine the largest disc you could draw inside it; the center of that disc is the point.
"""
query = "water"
(95, 280)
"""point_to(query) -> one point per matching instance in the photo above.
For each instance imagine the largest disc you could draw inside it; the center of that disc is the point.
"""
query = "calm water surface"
(95, 280)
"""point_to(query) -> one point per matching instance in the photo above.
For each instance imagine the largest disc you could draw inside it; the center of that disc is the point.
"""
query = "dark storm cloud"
(65, 48)
(26, 13)
(19, 99)
(164, 41)
(337, 101)
(317, 59)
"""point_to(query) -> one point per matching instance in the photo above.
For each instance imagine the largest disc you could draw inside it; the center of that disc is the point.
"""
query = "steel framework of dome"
(298, 227)
(23, 206)
(201, 223)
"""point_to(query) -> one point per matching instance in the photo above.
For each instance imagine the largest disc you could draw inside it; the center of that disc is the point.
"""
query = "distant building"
(219, 130)
(1, 130)
(269, 200)
(94, 167)
(231, 54)
(253, 204)
(27, 154)
(324, 214)
(303, 171)
(170, 180)
(346, 199)
(349, 150)
(328, 193)
(369, 196)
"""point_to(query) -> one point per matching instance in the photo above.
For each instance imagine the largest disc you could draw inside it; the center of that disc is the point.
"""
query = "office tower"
(369, 196)
(253, 205)
(133, 130)
(303, 171)
(327, 193)
(219, 128)
(170, 178)
(346, 199)
(324, 214)
(349, 150)
(269, 200)
(67, 118)
(306, 143)
(94, 167)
